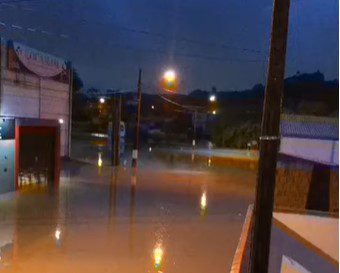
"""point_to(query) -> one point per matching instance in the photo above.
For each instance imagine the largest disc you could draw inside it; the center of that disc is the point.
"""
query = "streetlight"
(212, 98)
(169, 75)
(102, 100)
(152, 107)
(214, 112)
(169, 80)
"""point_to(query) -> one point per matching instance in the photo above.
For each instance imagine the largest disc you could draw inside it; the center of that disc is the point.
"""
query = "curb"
(239, 264)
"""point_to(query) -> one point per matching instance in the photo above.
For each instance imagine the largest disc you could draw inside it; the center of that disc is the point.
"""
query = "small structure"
(307, 170)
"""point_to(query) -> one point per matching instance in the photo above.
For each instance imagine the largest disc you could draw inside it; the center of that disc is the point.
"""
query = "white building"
(34, 84)
(310, 138)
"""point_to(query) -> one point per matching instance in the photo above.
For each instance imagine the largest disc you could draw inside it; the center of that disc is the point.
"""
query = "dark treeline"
(237, 122)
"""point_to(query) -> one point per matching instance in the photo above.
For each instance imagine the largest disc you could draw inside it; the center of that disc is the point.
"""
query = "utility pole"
(69, 140)
(194, 129)
(139, 101)
(116, 131)
(269, 140)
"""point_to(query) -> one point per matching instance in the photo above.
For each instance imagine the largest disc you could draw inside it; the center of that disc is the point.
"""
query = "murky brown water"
(167, 220)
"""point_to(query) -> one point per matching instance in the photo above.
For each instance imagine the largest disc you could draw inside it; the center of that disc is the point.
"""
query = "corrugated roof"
(309, 127)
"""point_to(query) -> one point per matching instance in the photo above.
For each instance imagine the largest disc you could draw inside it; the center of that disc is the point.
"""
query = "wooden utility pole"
(269, 140)
(69, 129)
(194, 141)
(139, 101)
(116, 131)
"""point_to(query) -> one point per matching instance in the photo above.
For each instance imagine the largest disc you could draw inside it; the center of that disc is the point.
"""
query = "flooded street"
(103, 220)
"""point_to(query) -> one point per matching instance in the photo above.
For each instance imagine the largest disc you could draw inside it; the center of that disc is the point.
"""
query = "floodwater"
(104, 220)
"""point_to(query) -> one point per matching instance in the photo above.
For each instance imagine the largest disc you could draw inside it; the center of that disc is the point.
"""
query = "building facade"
(34, 84)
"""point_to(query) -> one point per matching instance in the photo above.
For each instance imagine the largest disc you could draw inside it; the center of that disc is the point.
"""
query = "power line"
(188, 55)
(17, 1)
(32, 30)
(155, 34)
(128, 47)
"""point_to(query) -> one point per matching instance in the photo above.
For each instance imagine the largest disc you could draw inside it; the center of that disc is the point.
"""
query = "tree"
(77, 81)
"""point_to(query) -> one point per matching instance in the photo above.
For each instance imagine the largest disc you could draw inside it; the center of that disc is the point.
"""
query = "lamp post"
(139, 101)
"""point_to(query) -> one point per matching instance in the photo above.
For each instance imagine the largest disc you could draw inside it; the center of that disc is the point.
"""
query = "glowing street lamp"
(102, 100)
(214, 112)
(212, 98)
(169, 75)
(169, 81)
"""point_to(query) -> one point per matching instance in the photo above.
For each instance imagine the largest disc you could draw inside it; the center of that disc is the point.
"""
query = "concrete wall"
(289, 251)
(283, 244)
(30, 96)
(319, 150)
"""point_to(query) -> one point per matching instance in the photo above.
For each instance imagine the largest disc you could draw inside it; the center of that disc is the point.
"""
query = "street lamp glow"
(212, 98)
(152, 107)
(169, 81)
(102, 100)
(169, 75)
(61, 121)
(214, 112)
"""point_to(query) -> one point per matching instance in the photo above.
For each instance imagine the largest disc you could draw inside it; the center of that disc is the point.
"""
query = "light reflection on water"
(141, 212)
(158, 256)
(100, 161)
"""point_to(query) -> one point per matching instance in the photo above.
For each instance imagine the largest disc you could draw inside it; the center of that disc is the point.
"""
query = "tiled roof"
(309, 127)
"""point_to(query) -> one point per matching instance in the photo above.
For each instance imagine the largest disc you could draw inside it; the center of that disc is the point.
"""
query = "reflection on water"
(57, 236)
(133, 185)
(158, 257)
(124, 221)
(113, 194)
(193, 156)
(100, 161)
(100, 164)
(209, 161)
(203, 204)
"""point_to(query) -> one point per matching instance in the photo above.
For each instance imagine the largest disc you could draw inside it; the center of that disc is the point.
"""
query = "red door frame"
(38, 130)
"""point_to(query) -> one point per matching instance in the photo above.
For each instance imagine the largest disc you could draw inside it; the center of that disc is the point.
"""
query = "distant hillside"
(239, 112)
(300, 89)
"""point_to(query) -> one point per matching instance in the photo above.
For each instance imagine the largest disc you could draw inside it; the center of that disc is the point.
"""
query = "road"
(158, 219)
(223, 153)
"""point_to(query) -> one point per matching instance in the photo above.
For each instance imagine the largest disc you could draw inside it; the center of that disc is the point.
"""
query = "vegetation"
(238, 118)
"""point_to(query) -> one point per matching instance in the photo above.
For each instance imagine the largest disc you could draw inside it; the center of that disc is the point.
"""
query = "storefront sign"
(24, 59)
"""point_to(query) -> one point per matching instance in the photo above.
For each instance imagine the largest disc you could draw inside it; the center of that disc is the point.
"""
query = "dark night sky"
(216, 42)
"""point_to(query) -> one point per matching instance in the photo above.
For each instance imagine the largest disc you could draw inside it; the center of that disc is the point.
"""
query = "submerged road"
(157, 219)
